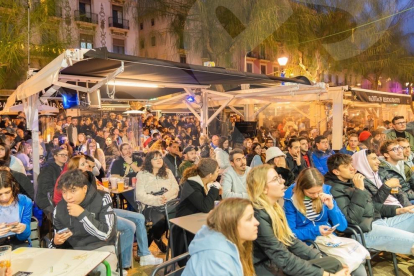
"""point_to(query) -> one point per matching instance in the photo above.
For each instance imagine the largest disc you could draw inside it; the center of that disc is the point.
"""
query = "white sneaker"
(150, 260)
(124, 272)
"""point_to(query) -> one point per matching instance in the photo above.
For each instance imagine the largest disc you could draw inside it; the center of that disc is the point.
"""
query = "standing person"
(199, 191)
(295, 161)
(172, 159)
(321, 154)
(16, 209)
(157, 186)
(47, 179)
(274, 134)
(233, 179)
(227, 238)
(126, 165)
(222, 153)
(276, 249)
(311, 213)
(400, 126)
(352, 146)
(89, 217)
(72, 131)
(190, 156)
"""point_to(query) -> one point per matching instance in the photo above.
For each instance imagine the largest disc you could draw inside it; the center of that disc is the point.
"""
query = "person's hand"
(393, 183)
(325, 230)
(74, 209)
(4, 229)
(128, 159)
(327, 200)
(407, 209)
(61, 238)
(162, 199)
(359, 181)
(297, 159)
(19, 228)
(343, 272)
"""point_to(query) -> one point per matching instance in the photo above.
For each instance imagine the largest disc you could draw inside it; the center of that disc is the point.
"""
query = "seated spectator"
(65, 144)
(190, 156)
(87, 214)
(47, 179)
(222, 153)
(400, 131)
(93, 150)
(268, 143)
(247, 145)
(295, 162)
(276, 158)
(25, 185)
(276, 249)
(214, 142)
(233, 179)
(352, 146)
(376, 141)
(15, 212)
(199, 191)
(254, 157)
(81, 145)
(111, 149)
(392, 234)
(311, 212)
(10, 161)
(23, 153)
(365, 138)
(126, 165)
(321, 154)
(230, 230)
(392, 166)
(408, 155)
(156, 185)
(305, 152)
(172, 159)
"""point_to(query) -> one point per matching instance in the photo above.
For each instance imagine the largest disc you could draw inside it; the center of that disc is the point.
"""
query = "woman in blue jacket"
(311, 210)
(15, 212)
(224, 245)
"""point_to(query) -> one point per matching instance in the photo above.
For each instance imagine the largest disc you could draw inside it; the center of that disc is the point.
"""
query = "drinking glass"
(114, 183)
(105, 182)
(5, 259)
(120, 185)
(126, 182)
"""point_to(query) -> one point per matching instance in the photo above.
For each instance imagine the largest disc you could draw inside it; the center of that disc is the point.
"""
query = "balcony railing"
(118, 23)
(86, 17)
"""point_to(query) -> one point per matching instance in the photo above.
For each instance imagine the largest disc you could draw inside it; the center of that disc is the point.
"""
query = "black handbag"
(149, 210)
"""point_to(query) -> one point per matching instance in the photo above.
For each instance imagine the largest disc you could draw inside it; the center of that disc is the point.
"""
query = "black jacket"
(293, 166)
(46, 184)
(26, 187)
(269, 254)
(287, 175)
(95, 227)
(172, 162)
(355, 204)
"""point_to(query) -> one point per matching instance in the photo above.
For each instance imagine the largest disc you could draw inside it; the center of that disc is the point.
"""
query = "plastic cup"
(126, 182)
(5, 259)
(114, 183)
(105, 182)
(134, 182)
(121, 185)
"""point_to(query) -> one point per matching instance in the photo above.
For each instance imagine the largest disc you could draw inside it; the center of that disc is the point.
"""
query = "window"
(142, 43)
(117, 14)
(152, 22)
(153, 42)
(85, 6)
(183, 59)
(118, 46)
(249, 67)
(141, 26)
(263, 69)
(86, 41)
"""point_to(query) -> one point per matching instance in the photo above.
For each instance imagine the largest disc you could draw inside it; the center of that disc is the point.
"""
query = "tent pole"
(204, 113)
(337, 96)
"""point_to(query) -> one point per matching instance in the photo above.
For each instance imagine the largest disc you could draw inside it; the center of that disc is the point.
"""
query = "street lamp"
(282, 61)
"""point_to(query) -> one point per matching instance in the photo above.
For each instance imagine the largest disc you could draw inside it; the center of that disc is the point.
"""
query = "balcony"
(87, 17)
(118, 23)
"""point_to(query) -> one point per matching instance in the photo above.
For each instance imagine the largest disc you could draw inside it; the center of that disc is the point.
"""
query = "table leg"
(118, 201)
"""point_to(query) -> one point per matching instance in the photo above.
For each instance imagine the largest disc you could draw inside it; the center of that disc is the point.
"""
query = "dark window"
(119, 46)
(85, 6)
(153, 42)
(249, 67)
(141, 26)
(117, 14)
(183, 59)
(263, 69)
(86, 41)
(152, 22)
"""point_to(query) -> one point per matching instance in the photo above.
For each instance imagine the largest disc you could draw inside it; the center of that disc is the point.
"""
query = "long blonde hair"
(308, 179)
(256, 184)
(224, 219)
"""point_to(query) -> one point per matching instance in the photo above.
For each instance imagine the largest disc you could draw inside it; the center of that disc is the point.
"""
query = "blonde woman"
(276, 249)
(93, 150)
(227, 239)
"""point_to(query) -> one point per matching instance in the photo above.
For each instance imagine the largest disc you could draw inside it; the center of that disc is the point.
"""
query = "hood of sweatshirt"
(360, 163)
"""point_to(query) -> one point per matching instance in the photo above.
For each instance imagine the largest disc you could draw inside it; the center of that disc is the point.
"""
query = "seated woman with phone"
(313, 215)
(15, 212)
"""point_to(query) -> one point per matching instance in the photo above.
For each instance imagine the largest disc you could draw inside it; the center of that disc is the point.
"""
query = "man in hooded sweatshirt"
(394, 233)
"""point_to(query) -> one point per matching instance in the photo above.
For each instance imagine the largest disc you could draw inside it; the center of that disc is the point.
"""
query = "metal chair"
(357, 232)
(173, 262)
(170, 212)
(34, 239)
(118, 252)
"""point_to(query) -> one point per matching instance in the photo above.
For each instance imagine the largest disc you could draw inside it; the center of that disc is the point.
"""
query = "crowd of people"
(280, 190)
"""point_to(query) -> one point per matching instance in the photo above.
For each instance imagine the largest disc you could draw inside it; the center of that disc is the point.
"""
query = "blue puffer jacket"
(320, 159)
(25, 212)
(212, 254)
(306, 229)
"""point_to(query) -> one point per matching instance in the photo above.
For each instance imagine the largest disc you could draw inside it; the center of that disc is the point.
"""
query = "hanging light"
(282, 61)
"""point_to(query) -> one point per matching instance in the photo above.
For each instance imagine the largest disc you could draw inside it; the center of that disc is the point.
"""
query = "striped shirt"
(310, 213)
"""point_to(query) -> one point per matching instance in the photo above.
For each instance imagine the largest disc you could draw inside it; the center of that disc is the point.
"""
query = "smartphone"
(12, 224)
(63, 231)
(334, 227)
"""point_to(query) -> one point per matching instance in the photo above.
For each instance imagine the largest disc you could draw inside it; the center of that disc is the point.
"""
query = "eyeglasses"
(62, 155)
(407, 147)
(396, 149)
(401, 123)
(157, 158)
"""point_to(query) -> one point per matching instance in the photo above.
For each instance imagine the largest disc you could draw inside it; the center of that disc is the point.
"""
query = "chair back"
(171, 210)
(173, 262)
(34, 239)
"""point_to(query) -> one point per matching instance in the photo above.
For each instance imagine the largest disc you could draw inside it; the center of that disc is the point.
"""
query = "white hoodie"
(360, 163)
